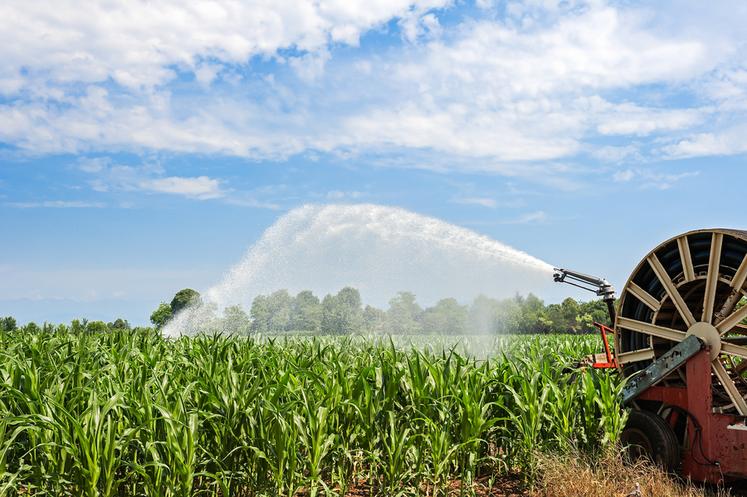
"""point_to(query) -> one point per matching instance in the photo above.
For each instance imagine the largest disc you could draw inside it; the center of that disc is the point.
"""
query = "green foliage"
(183, 299)
(128, 412)
(236, 321)
(8, 323)
(78, 325)
(343, 314)
(31, 327)
(404, 315)
(161, 315)
(374, 320)
(96, 327)
(306, 313)
(272, 313)
(447, 317)
(119, 324)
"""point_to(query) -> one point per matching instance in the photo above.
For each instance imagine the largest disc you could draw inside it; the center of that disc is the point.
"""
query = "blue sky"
(145, 146)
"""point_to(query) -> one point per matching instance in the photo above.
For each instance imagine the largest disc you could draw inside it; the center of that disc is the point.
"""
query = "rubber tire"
(647, 434)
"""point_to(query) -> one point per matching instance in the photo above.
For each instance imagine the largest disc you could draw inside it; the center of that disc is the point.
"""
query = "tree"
(533, 315)
(119, 324)
(161, 315)
(236, 321)
(306, 313)
(597, 311)
(8, 323)
(183, 299)
(96, 327)
(404, 314)
(508, 316)
(350, 310)
(272, 313)
(280, 304)
(374, 320)
(569, 311)
(446, 317)
(78, 326)
(31, 327)
(329, 314)
(260, 314)
(483, 315)
(342, 313)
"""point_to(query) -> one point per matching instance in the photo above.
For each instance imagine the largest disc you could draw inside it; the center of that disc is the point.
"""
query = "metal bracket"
(661, 367)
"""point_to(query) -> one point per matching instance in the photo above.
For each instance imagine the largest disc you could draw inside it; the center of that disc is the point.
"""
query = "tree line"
(9, 324)
(344, 313)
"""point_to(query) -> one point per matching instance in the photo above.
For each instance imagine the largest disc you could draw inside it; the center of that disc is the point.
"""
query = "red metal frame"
(611, 360)
(715, 444)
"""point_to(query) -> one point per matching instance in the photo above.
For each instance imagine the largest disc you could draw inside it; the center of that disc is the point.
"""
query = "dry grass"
(570, 476)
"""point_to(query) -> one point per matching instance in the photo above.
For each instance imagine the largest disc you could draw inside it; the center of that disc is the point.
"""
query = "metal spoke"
(735, 295)
(671, 290)
(731, 349)
(643, 296)
(714, 265)
(687, 261)
(650, 329)
(635, 356)
(732, 320)
(730, 387)
(737, 282)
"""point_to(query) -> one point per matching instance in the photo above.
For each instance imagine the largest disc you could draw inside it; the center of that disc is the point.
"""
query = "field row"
(130, 413)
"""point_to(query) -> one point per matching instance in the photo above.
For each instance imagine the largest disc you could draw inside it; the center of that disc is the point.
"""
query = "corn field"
(132, 414)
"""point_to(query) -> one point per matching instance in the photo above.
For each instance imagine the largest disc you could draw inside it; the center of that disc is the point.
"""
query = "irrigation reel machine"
(681, 342)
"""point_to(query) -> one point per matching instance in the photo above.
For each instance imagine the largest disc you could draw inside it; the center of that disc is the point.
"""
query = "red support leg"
(716, 445)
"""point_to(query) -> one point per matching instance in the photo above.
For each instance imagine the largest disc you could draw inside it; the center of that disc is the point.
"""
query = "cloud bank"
(429, 82)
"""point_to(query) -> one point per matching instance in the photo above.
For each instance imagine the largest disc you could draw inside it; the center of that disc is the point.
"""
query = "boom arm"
(599, 286)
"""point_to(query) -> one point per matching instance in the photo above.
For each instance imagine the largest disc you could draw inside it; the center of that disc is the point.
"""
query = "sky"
(144, 146)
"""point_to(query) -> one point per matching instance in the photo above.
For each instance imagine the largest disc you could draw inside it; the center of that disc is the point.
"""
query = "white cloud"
(57, 204)
(310, 67)
(109, 176)
(727, 141)
(495, 94)
(251, 200)
(615, 153)
(647, 178)
(535, 217)
(138, 43)
(419, 27)
(482, 201)
(92, 164)
(338, 195)
(630, 119)
(623, 176)
(202, 187)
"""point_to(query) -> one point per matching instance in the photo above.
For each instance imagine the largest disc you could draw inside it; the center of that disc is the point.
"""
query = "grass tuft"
(579, 476)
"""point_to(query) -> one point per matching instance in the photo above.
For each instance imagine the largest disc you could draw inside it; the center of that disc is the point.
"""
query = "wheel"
(647, 435)
(693, 284)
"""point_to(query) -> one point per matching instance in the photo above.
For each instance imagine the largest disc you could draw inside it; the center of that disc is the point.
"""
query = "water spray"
(379, 250)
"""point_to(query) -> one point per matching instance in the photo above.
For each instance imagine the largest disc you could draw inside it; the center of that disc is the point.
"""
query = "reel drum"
(693, 284)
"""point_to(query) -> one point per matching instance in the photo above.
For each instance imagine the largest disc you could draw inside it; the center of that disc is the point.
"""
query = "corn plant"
(129, 413)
